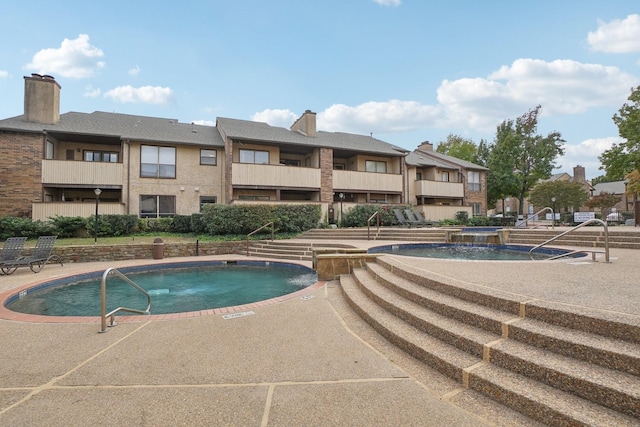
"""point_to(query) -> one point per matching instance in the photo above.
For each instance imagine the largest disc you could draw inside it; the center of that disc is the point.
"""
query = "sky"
(404, 71)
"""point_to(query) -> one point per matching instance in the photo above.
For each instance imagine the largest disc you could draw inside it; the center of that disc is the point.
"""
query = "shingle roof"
(616, 187)
(433, 158)
(123, 126)
(258, 131)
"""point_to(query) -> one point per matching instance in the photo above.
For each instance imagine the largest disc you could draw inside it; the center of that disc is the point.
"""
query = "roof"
(616, 187)
(434, 159)
(122, 126)
(258, 131)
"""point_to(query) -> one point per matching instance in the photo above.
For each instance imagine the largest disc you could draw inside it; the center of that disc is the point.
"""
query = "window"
(473, 181)
(254, 156)
(206, 200)
(101, 156)
(375, 166)
(49, 150)
(208, 157)
(338, 166)
(157, 206)
(477, 209)
(157, 162)
(418, 176)
(247, 197)
(445, 176)
(290, 162)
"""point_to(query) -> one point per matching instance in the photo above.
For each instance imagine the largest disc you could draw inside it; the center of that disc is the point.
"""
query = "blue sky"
(406, 71)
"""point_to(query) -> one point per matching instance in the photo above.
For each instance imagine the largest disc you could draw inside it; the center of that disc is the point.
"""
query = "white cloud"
(388, 2)
(74, 59)
(617, 36)
(281, 118)
(204, 122)
(134, 71)
(586, 154)
(4, 74)
(90, 92)
(141, 95)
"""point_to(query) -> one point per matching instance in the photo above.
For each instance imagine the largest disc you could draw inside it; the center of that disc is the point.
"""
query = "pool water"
(172, 290)
(468, 252)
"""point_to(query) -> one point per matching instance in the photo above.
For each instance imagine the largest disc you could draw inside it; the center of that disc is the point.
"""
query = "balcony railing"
(44, 210)
(275, 176)
(366, 181)
(85, 173)
(439, 189)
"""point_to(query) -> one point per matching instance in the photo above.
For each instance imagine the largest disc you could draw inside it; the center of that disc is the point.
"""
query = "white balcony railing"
(44, 210)
(439, 189)
(366, 181)
(274, 176)
(84, 173)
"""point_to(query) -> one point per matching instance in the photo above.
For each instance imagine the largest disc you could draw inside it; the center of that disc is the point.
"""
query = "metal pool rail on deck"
(103, 299)
(593, 251)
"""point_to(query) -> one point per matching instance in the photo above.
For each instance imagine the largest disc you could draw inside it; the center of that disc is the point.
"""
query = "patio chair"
(40, 256)
(12, 250)
(421, 218)
(401, 218)
(413, 219)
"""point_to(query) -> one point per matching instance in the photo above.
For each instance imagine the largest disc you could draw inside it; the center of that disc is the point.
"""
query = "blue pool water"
(174, 288)
(469, 252)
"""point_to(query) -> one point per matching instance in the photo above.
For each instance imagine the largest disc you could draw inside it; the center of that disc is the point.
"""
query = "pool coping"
(6, 296)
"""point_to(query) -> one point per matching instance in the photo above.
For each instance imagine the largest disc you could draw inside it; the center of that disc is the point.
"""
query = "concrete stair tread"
(453, 305)
(444, 328)
(611, 388)
(532, 398)
(604, 351)
(443, 357)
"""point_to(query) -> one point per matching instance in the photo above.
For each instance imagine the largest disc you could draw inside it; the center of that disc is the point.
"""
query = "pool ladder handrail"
(375, 215)
(593, 251)
(532, 216)
(103, 299)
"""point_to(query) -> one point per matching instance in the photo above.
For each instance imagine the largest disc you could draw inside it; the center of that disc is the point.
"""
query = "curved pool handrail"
(103, 299)
(260, 229)
(590, 221)
(535, 215)
(376, 214)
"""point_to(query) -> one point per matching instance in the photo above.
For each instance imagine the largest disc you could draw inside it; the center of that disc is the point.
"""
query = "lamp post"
(341, 196)
(553, 212)
(95, 232)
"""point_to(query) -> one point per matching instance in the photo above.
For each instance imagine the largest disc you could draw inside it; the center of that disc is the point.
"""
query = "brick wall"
(326, 175)
(21, 165)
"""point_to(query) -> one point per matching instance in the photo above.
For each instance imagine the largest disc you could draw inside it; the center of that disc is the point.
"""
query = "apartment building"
(441, 185)
(54, 164)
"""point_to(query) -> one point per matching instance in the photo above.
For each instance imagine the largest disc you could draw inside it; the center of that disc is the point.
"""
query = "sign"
(583, 216)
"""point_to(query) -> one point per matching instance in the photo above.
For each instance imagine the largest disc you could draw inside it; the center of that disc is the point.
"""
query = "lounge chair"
(41, 255)
(401, 218)
(413, 219)
(421, 218)
(12, 250)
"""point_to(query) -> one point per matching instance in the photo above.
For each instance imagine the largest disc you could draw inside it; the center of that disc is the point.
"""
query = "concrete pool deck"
(306, 360)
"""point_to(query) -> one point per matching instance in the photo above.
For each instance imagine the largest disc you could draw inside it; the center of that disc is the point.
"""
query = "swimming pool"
(174, 288)
(476, 251)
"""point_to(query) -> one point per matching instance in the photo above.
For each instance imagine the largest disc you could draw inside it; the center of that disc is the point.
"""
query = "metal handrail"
(377, 215)
(590, 221)
(103, 299)
(260, 229)
(553, 217)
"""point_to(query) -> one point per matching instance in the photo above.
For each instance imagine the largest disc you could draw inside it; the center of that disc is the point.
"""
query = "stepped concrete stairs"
(291, 250)
(584, 237)
(554, 365)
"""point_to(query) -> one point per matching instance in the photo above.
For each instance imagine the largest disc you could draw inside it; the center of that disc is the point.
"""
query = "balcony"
(353, 181)
(249, 174)
(93, 174)
(425, 188)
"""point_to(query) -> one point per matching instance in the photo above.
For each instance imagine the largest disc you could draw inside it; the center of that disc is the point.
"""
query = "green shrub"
(243, 219)
(198, 225)
(462, 217)
(358, 215)
(478, 221)
(181, 224)
(68, 226)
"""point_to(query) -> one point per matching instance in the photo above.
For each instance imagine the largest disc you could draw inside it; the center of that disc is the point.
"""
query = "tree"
(603, 201)
(520, 158)
(624, 157)
(568, 195)
(458, 147)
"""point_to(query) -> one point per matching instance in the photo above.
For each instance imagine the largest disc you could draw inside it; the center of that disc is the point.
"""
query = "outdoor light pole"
(95, 233)
(341, 196)
(553, 212)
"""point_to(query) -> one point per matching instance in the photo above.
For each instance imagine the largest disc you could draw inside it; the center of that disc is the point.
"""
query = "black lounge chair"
(401, 218)
(12, 250)
(421, 218)
(39, 258)
(413, 219)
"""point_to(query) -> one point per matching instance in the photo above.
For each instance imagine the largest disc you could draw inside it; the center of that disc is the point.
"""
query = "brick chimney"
(306, 124)
(425, 146)
(41, 99)
(579, 174)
